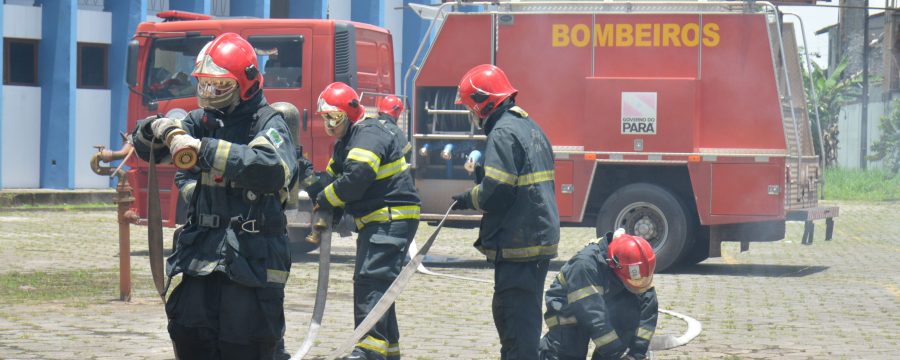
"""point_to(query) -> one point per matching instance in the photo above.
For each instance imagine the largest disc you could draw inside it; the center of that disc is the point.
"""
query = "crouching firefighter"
(371, 182)
(233, 251)
(603, 294)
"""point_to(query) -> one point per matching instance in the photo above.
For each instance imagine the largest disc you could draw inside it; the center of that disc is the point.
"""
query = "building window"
(92, 68)
(20, 65)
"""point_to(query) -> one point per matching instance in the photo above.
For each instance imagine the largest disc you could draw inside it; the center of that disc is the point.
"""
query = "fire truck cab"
(682, 122)
(297, 57)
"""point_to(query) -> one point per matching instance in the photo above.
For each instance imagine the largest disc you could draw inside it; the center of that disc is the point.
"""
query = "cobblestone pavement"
(834, 300)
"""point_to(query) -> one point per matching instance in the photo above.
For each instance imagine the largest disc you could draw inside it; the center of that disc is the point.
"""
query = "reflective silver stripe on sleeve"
(645, 333)
(584, 292)
(223, 148)
(276, 276)
(606, 339)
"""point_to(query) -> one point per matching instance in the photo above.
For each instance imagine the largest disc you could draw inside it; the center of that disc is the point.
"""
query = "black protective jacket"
(516, 194)
(582, 294)
(236, 193)
(372, 180)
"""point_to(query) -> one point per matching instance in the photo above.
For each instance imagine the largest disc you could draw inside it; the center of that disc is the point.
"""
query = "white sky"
(815, 18)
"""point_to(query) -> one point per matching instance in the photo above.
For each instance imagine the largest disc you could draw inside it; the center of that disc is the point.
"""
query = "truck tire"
(653, 213)
(699, 251)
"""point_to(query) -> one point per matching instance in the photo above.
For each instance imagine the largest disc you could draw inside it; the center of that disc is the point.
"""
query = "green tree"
(887, 148)
(833, 90)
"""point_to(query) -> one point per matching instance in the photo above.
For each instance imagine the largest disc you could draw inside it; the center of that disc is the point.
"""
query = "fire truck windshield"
(169, 67)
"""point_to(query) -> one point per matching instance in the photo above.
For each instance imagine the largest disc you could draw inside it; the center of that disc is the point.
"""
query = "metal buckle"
(209, 220)
(253, 229)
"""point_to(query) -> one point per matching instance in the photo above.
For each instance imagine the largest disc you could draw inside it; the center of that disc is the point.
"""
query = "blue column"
(195, 6)
(1, 101)
(367, 11)
(126, 15)
(56, 74)
(255, 8)
(307, 9)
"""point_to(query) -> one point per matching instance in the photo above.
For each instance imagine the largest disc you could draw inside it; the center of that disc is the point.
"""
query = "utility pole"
(864, 122)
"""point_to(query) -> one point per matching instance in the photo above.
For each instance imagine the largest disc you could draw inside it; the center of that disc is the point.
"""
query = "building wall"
(20, 145)
(92, 106)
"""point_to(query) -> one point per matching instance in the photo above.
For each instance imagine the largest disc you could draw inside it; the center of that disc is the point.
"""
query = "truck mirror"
(131, 73)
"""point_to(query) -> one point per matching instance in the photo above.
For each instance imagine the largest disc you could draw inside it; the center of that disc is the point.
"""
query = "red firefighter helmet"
(230, 56)
(632, 260)
(340, 98)
(390, 105)
(483, 88)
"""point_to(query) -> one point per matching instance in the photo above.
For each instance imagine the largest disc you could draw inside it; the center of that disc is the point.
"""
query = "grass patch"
(865, 185)
(61, 207)
(75, 286)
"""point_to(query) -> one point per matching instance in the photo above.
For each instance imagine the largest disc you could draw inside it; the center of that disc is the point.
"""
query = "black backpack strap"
(261, 119)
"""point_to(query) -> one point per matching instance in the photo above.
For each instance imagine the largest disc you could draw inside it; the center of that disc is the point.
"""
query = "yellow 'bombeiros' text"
(637, 35)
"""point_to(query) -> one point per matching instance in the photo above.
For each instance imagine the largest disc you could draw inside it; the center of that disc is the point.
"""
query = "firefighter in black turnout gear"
(372, 183)
(603, 294)
(520, 228)
(233, 251)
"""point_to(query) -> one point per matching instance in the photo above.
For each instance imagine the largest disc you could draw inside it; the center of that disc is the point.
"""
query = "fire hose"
(321, 233)
(397, 287)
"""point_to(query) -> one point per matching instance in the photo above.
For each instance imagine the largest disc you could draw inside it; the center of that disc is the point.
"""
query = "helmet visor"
(639, 285)
(218, 93)
(333, 120)
(206, 66)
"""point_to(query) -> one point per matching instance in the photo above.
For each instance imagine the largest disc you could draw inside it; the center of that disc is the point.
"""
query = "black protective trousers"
(212, 317)
(380, 253)
(518, 296)
(570, 342)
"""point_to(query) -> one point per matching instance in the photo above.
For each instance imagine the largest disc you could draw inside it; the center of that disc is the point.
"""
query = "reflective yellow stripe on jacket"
(332, 197)
(520, 180)
(385, 214)
(365, 156)
(555, 320)
(391, 169)
(522, 254)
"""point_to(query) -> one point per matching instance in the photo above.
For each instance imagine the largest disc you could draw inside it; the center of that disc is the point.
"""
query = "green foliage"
(887, 148)
(833, 90)
(865, 185)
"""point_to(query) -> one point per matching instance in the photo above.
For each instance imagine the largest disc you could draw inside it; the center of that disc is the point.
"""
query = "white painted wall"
(339, 9)
(21, 142)
(94, 27)
(850, 136)
(23, 22)
(92, 120)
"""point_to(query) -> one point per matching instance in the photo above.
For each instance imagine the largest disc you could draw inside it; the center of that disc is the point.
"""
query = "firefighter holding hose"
(233, 251)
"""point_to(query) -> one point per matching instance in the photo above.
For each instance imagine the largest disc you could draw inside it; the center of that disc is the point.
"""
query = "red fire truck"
(685, 123)
(297, 57)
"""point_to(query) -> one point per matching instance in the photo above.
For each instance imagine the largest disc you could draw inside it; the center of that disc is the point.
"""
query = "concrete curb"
(42, 197)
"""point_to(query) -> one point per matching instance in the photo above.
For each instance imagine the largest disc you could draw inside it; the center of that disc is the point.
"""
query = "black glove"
(146, 131)
(322, 202)
(463, 201)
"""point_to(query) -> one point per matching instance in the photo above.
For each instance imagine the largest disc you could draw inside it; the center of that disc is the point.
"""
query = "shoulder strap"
(261, 119)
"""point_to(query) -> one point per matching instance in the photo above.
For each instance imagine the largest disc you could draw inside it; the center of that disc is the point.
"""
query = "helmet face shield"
(640, 285)
(217, 93)
(206, 66)
(334, 121)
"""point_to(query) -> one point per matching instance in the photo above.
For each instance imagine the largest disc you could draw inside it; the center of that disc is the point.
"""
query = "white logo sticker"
(638, 113)
(634, 271)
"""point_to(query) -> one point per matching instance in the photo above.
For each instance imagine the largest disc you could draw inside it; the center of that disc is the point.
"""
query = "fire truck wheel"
(653, 213)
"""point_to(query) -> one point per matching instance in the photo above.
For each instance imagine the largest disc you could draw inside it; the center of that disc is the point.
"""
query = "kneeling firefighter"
(603, 294)
(371, 182)
(233, 251)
